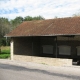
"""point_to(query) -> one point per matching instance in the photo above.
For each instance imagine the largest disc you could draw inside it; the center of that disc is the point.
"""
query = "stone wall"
(44, 60)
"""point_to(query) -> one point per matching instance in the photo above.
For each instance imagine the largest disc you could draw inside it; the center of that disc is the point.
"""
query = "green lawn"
(5, 52)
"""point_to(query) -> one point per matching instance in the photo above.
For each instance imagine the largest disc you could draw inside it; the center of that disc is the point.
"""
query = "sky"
(46, 8)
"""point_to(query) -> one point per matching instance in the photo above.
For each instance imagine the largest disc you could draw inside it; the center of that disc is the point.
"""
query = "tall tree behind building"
(6, 26)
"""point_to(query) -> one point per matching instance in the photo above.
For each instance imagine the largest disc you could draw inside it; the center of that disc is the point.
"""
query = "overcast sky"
(46, 8)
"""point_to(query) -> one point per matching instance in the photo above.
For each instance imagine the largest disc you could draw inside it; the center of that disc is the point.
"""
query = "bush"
(3, 42)
(5, 52)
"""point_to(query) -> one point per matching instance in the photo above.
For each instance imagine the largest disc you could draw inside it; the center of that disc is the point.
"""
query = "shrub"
(4, 42)
(5, 52)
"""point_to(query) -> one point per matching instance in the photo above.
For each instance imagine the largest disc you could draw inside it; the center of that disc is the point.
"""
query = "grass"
(5, 52)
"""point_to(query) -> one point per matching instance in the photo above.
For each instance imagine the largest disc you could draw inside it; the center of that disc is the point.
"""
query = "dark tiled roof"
(50, 27)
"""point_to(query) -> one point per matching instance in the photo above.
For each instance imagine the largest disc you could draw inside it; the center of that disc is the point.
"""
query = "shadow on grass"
(20, 68)
(4, 54)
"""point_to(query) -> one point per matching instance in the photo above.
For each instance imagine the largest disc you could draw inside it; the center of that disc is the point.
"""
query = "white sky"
(46, 8)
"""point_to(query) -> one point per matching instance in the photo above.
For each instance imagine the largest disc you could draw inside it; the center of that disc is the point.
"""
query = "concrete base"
(44, 60)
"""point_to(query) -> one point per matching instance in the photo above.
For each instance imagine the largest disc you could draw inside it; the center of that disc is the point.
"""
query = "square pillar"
(12, 48)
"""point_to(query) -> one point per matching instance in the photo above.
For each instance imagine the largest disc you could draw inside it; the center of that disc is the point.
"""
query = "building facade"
(54, 38)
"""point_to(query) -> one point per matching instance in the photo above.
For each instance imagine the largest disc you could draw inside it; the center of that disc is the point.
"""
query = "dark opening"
(76, 61)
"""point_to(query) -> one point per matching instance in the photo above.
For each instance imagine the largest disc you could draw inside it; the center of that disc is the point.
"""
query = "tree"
(29, 18)
(18, 19)
(38, 18)
(6, 26)
(15, 22)
(4, 29)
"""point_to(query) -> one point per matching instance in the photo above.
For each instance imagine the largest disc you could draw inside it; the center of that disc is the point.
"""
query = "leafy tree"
(6, 26)
(38, 18)
(29, 18)
(18, 20)
(4, 29)
(3, 42)
(15, 22)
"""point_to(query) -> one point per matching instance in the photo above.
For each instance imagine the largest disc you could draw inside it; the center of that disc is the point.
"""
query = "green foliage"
(6, 26)
(15, 22)
(8, 41)
(38, 18)
(5, 53)
(29, 18)
(2, 42)
(4, 56)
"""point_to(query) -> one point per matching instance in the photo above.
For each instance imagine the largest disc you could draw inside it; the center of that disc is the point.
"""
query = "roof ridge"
(52, 19)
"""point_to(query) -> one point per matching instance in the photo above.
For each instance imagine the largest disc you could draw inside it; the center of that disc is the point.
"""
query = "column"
(12, 48)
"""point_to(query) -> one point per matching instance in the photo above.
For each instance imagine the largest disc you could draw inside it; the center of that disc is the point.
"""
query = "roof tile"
(50, 27)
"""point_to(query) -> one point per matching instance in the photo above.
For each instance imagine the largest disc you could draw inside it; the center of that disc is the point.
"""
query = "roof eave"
(45, 35)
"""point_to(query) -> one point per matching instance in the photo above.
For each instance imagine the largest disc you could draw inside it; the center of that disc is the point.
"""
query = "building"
(56, 40)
